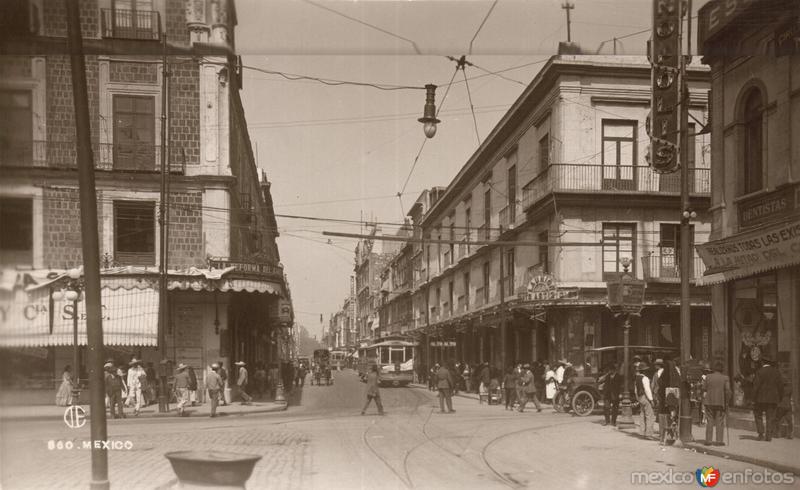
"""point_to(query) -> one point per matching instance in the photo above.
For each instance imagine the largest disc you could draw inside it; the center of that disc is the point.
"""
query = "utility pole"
(568, 6)
(90, 248)
(163, 221)
(503, 326)
(685, 228)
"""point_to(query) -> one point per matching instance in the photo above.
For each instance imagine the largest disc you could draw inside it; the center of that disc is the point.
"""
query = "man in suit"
(528, 389)
(445, 383)
(767, 393)
(611, 385)
(716, 400)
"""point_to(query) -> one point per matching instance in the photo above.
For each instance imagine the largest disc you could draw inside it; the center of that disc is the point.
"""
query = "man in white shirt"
(560, 371)
(136, 378)
(644, 394)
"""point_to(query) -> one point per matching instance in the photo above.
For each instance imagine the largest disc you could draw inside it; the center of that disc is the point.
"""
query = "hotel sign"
(544, 288)
(770, 207)
(779, 244)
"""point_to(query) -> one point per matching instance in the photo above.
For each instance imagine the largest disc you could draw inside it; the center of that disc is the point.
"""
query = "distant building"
(753, 258)
(371, 257)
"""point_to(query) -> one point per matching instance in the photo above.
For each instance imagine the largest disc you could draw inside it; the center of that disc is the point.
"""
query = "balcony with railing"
(131, 24)
(610, 179)
(666, 268)
(508, 217)
(484, 233)
(107, 156)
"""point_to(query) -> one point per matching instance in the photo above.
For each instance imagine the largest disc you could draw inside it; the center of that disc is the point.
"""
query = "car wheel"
(583, 403)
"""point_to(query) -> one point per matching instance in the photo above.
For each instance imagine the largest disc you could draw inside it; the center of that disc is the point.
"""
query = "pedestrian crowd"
(134, 385)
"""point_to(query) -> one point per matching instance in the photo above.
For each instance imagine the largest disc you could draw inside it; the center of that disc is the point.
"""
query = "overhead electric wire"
(469, 95)
(494, 4)
(367, 24)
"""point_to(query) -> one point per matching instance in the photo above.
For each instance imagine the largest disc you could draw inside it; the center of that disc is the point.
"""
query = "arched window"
(752, 157)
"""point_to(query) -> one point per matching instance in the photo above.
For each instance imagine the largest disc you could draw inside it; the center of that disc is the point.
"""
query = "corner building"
(228, 295)
(754, 254)
(566, 164)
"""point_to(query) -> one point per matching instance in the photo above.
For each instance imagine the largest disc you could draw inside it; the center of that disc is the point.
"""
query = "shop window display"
(754, 312)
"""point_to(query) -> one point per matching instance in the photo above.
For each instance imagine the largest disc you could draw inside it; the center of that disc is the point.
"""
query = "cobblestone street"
(321, 441)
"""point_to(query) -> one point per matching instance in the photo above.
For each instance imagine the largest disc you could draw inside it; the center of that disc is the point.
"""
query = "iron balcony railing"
(508, 216)
(610, 179)
(666, 268)
(107, 156)
(131, 24)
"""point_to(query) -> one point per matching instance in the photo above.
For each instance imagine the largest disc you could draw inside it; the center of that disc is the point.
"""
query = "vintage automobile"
(582, 394)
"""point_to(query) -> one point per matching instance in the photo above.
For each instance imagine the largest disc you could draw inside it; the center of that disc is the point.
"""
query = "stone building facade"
(753, 257)
(221, 227)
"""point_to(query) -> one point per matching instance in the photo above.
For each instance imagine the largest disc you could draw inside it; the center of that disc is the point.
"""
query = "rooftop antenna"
(568, 6)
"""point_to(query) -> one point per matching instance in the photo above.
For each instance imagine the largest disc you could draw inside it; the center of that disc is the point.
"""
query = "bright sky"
(345, 151)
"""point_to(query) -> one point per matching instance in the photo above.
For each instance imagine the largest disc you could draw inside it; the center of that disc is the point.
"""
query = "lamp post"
(625, 298)
(72, 292)
(279, 394)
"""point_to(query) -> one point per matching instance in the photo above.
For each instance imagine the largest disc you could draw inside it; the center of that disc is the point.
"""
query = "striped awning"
(31, 318)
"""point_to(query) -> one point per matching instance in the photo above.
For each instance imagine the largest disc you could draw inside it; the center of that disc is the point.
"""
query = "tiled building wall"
(186, 230)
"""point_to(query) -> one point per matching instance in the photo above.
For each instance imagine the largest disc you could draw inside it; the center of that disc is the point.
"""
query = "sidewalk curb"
(711, 451)
(280, 407)
(699, 447)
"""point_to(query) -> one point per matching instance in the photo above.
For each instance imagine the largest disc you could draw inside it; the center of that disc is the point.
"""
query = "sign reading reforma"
(773, 246)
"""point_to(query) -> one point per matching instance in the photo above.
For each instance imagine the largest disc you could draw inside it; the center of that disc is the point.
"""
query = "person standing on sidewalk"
(182, 383)
(643, 393)
(611, 389)
(114, 392)
(241, 382)
(767, 393)
(192, 385)
(137, 377)
(716, 399)
(550, 386)
(223, 373)
(445, 383)
(214, 385)
(529, 390)
(373, 392)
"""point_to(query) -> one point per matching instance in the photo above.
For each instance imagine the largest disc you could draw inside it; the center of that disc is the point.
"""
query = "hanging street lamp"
(428, 118)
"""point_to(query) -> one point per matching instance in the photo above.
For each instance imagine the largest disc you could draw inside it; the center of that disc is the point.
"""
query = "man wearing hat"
(214, 385)
(114, 391)
(716, 398)
(241, 382)
(136, 379)
(182, 382)
(767, 393)
(641, 387)
(528, 389)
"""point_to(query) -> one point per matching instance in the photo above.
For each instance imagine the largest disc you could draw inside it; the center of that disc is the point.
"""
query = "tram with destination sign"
(394, 358)
(338, 359)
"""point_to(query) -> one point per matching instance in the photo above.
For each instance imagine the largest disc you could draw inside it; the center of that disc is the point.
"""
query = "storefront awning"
(751, 253)
(29, 317)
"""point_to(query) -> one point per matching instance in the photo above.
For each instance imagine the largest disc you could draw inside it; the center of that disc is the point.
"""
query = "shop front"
(756, 276)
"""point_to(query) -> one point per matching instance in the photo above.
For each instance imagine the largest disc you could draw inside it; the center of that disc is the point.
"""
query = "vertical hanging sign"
(664, 52)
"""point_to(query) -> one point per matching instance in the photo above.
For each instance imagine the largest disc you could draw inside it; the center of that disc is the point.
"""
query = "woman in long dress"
(64, 394)
(549, 382)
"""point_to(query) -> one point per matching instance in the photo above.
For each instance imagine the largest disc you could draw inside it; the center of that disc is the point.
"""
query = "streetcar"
(338, 359)
(394, 358)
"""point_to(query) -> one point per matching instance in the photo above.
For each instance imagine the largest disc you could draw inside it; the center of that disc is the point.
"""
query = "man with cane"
(716, 401)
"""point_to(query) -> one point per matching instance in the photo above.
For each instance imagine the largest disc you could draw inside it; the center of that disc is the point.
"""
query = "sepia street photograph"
(399, 244)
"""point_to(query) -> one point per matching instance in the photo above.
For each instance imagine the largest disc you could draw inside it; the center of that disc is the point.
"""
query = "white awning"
(751, 253)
